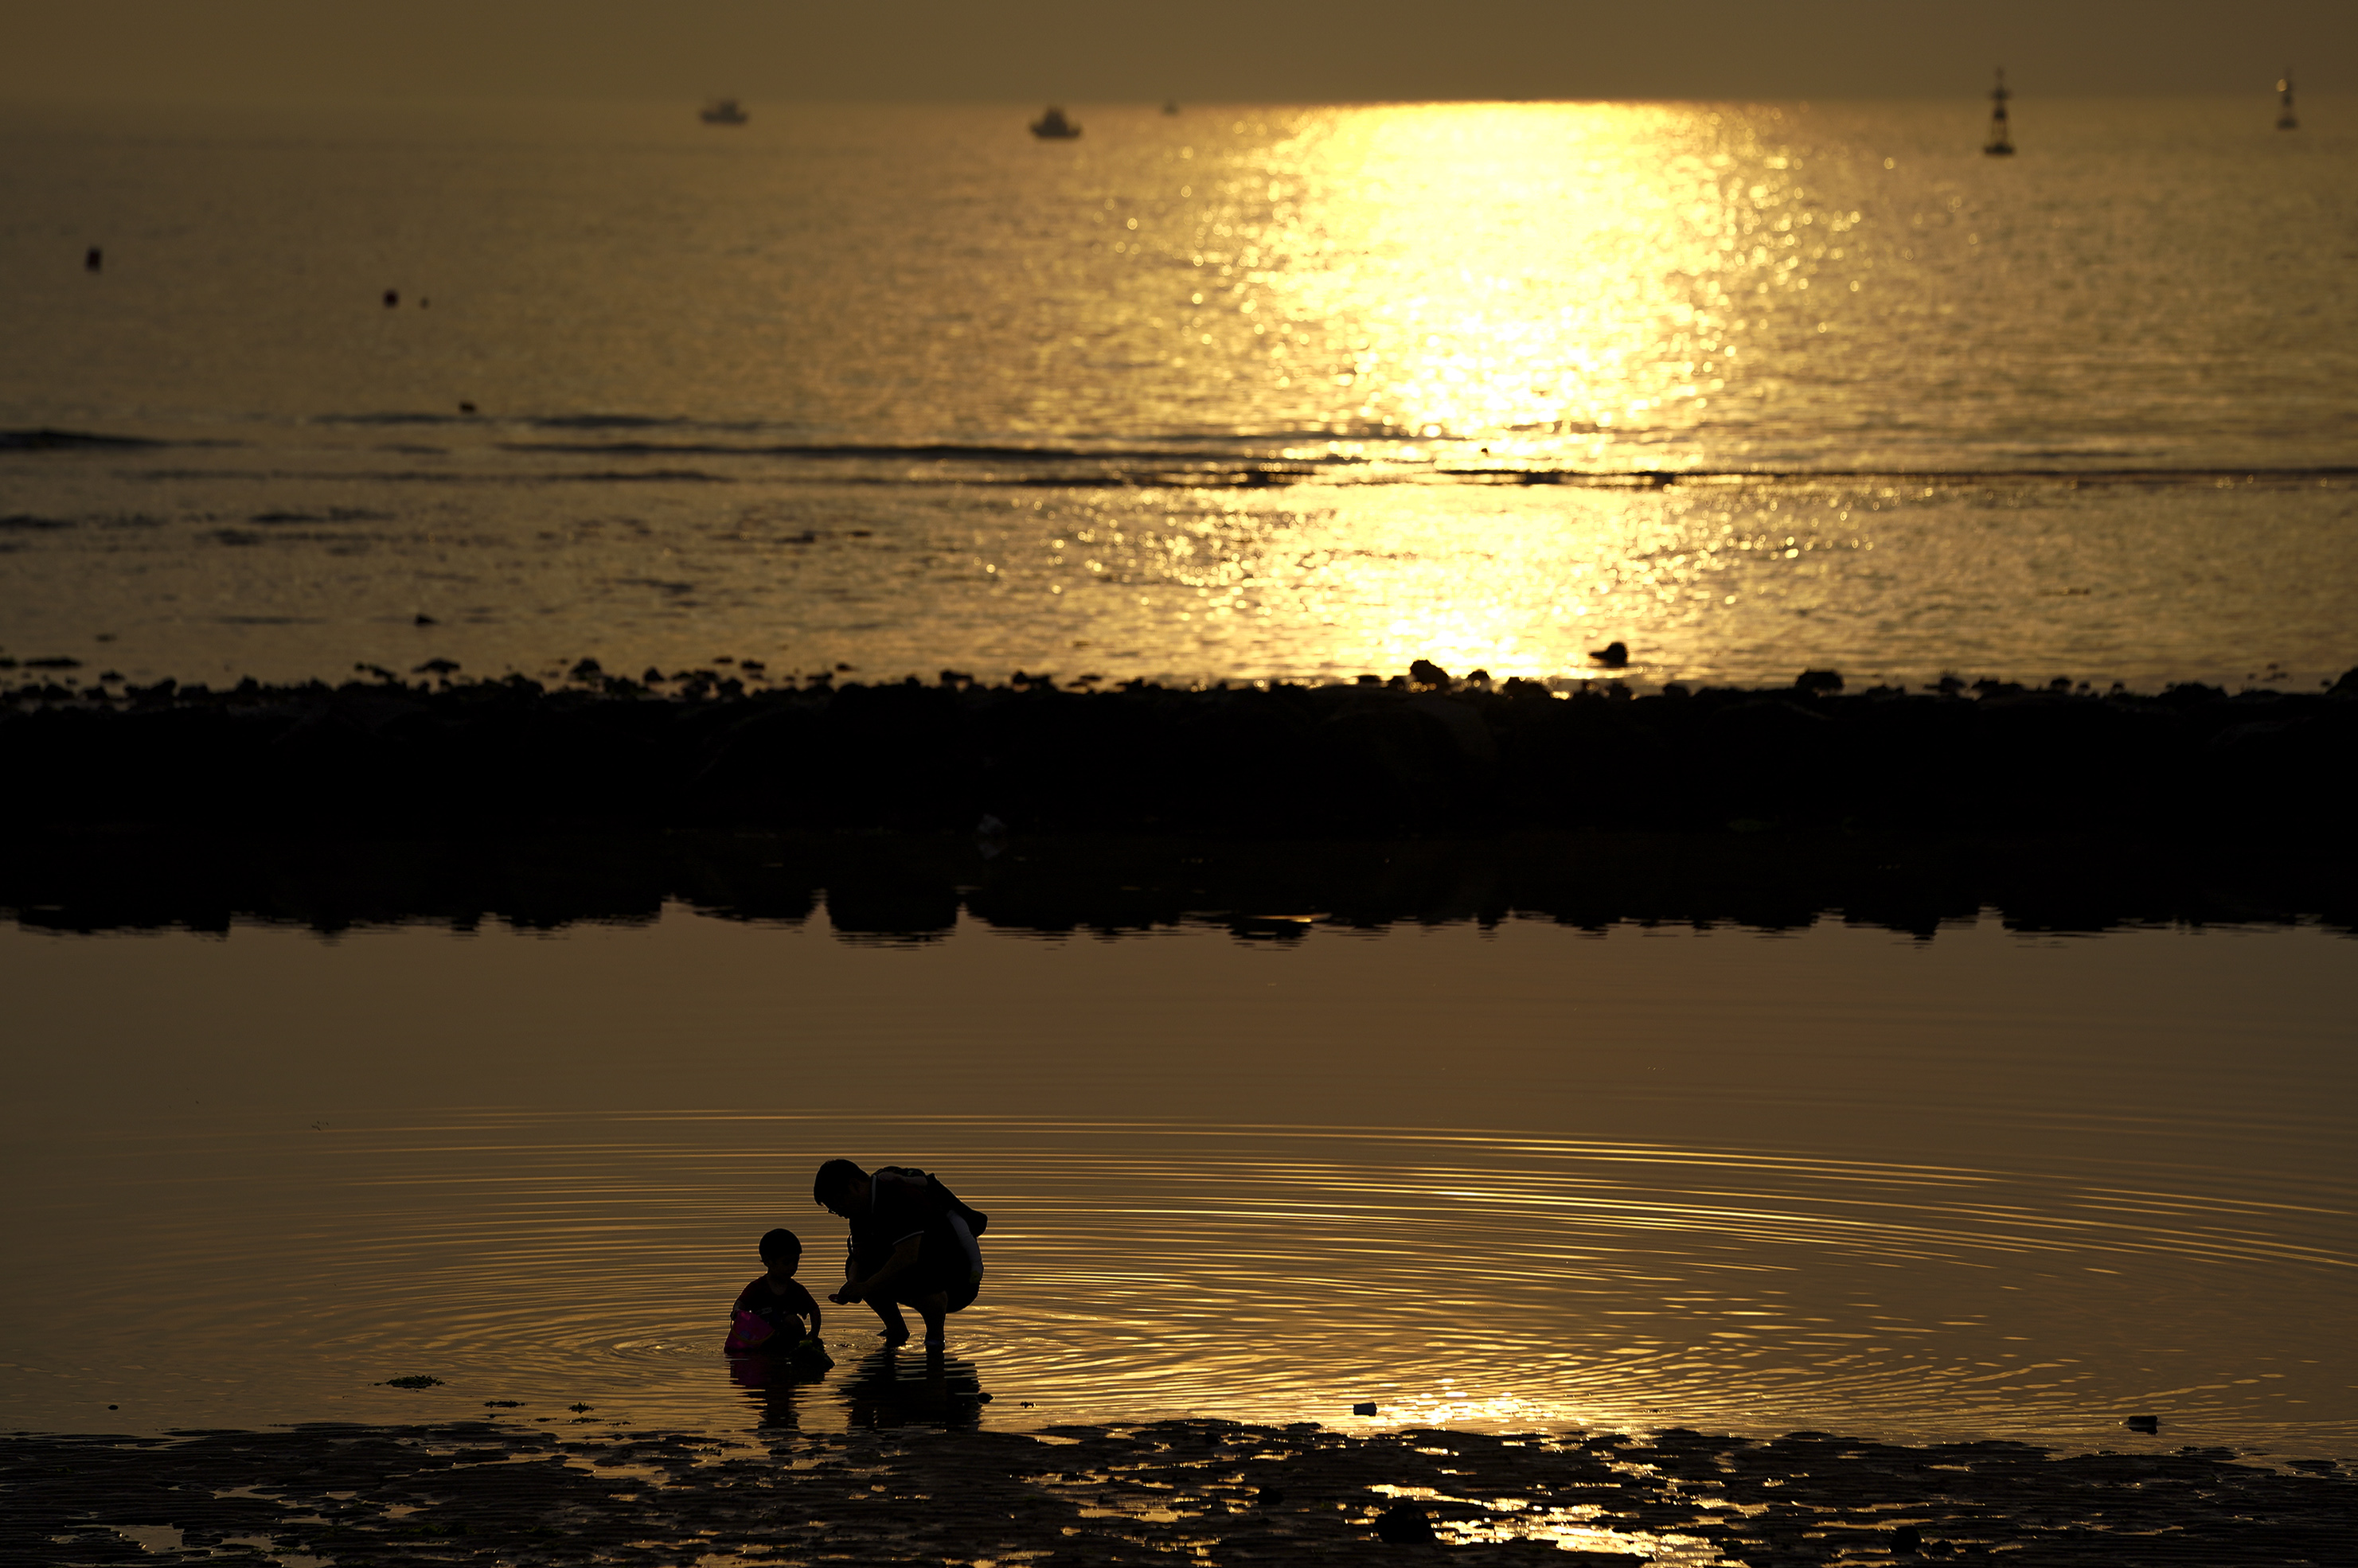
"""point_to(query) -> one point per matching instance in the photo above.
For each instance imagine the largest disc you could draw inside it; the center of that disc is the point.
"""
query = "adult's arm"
(903, 1258)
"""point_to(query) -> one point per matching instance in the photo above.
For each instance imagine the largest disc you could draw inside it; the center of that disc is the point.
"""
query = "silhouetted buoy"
(1613, 655)
(93, 259)
(2001, 139)
(465, 408)
(392, 298)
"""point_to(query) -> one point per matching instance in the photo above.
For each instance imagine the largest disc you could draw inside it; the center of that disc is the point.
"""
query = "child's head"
(781, 1251)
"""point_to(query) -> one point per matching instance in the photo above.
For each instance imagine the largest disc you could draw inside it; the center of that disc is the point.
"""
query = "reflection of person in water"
(913, 1244)
(889, 1389)
(774, 1382)
(774, 1316)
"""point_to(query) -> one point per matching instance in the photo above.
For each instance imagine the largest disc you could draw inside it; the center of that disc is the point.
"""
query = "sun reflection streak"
(1520, 585)
(1548, 280)
(1478, 287)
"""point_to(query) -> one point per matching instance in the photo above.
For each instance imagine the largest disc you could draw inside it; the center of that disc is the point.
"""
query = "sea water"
(1249, 393)
(1984, 1183)
(1255, 393)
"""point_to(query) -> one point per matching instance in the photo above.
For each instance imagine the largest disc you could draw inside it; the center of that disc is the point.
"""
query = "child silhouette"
(774, 1316)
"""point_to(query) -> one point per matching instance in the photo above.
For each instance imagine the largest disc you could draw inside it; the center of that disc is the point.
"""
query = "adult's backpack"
(976, 1220)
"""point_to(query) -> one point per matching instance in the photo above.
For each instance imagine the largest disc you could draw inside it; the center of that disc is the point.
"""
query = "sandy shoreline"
(1208, 1491)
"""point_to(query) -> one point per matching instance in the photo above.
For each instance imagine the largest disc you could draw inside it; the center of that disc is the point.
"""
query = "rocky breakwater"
(1402, 757)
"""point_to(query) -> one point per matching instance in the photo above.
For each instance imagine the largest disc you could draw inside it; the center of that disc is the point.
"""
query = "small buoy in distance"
(465, 408)
(424, 303)
(2142, 1423)
(94, 260)
(392, 298)
(1366, 1407)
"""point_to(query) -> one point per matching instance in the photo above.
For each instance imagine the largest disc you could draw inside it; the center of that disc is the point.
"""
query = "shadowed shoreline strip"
(1361, 804)
(1387, 759)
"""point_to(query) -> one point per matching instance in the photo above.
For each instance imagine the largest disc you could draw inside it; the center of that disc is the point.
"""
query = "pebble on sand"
(1404, 1524)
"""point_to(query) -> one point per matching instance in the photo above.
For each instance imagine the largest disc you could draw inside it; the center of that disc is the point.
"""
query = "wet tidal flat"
(1987, 1183)
(1215, 1491)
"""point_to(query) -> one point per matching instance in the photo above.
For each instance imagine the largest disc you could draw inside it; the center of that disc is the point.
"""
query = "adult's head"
(837, 1183)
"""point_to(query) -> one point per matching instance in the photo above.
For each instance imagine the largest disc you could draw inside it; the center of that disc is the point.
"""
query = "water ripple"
(1156, 1269)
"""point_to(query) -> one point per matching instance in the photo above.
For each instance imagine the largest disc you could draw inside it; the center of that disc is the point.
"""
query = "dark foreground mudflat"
(1202, 1491)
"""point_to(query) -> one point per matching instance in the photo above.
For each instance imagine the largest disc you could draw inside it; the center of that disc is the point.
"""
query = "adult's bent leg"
(896, 1328)
(933, 1307)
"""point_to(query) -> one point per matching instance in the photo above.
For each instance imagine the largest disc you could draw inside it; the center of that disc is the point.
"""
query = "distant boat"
(2001, 138)
(724, 112)
(2285, 121)
(1053, 127)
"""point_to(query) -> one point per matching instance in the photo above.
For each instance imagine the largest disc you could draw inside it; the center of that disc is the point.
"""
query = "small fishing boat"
(1053, 127)
(724, 111)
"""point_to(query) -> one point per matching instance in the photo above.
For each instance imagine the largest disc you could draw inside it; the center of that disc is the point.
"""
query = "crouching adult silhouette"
(913, 1244)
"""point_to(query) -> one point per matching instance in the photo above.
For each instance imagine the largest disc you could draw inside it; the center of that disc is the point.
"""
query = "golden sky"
(262, 51)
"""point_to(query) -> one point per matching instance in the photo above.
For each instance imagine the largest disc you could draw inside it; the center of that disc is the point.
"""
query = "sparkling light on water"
(1258, 394)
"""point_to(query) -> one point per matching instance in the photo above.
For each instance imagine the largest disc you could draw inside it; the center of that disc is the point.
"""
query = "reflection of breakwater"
(899, 886)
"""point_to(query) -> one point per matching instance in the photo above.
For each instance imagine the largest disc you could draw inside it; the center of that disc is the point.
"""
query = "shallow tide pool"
(1983, 1185)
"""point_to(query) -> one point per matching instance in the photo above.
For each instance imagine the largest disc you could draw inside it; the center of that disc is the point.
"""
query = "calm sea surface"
(1238, 393)
(1983, 1185)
